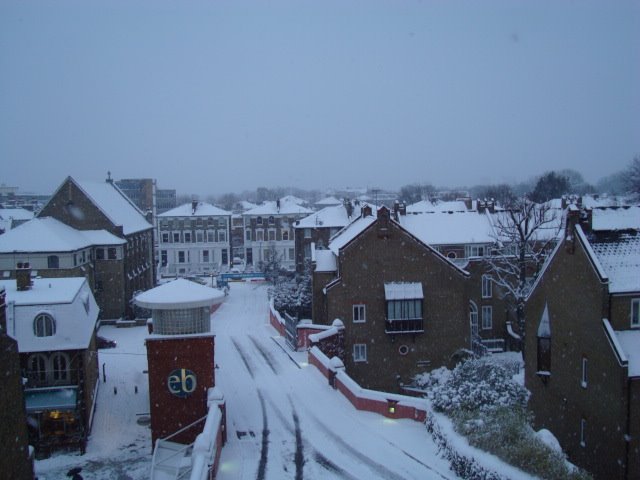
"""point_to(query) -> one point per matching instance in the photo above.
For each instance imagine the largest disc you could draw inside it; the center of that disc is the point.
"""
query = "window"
(187, 237)
(272, 220)
(165, 238)
(259, 235)
(292, 253)
(75, 259)
(307, 233)
(285, 235)
(176, 237)
(225, 256)
(487, 317)
(99, 253)
(205, 256)
(360, 352)
(473, 318)
(222, 236)
(583, 383)
(635, 313)
(37, 365)
(359, 314)
(475, 250)
(404, 315)
(53, 261)
(44, 325)
(60, 364)
(272, 235)
(247, 235)
(163, 258)
(112, 253)
(259, 221)
(199, 236)
(307, 250)
(211, 236)
(583, 432)
(181, 256)
(487, 286)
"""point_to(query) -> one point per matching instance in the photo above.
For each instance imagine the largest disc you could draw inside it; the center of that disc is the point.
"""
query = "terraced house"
(194, 239)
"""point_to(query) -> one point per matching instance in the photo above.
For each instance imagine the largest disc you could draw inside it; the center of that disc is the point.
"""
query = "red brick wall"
(275, 323)
(170, 413)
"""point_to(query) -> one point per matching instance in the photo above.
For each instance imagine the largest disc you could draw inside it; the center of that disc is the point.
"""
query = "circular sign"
(403, 350)
(182, 382)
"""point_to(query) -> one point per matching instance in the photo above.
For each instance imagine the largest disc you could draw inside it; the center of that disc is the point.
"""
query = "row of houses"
(416, 291)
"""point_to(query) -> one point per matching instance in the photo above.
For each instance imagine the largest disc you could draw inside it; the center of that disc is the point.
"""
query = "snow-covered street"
(283, 419)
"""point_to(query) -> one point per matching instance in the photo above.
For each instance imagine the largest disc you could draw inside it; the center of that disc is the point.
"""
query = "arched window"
(37, 365)
(272, 220)
(44, 325)
(60, 364)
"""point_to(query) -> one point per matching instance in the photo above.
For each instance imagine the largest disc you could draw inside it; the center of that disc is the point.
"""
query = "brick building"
(95, 206)
(582, 342)
(404, 305)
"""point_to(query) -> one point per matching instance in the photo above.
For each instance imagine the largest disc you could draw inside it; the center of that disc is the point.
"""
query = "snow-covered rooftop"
(68, 300)
(444, 228)
(326, 201)
(15, 214)
(403, 291)
(616, 218)
(620, 260)
(424, 206)
(286, 208)
(350, 232)
(203, 209)
(50, 235)
(115, 205)
(179, 293)
(332, 216)
(630, 342)
(325, 261)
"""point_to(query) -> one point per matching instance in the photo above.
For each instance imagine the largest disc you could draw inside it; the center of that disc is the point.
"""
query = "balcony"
(411, 325)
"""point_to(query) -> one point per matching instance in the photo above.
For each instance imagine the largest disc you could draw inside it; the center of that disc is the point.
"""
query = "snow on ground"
(283, 419)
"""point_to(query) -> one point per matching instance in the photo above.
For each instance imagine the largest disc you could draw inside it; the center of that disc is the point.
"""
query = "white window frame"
(307, 233)
(188, 237)
(165, 237)
(361, 315)
(260, 236)
(583, 432)
(487, 317)
(222, 236)
(635, 313)
(247, 235)
(285, 235)
(584, 380)
(359, 352)
(44, 325)
(487, 286)
(271, 235)
(184, 256)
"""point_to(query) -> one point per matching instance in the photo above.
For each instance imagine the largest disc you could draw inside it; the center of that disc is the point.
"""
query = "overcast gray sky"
(230, 95)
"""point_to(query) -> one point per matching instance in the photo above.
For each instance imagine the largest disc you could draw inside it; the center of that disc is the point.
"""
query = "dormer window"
(259, 221)
(272, 220)
(44, 325)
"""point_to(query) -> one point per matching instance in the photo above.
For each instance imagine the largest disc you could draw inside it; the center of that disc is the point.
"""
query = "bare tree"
(633, 177)
(524, 234)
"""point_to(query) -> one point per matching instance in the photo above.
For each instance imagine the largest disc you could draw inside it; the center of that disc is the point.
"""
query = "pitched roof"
(203, 209)
(271, 208)
(424, 206)
(50, 235)
(332, 216)
(115, 205)
(15, 214)
(350, 232)
(619, 257)
(328, 201)
(616, 218)
(68, 300)
(444, 228)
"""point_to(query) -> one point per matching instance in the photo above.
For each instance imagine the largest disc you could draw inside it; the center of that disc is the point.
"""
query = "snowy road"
(284, 421)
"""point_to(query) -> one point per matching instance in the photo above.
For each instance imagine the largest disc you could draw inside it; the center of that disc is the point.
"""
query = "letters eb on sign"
(182, 382)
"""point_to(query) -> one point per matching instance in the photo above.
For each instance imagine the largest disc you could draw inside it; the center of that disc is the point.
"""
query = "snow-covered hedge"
(475, 384)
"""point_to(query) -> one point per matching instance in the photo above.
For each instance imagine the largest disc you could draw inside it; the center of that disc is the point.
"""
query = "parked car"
(102, 342)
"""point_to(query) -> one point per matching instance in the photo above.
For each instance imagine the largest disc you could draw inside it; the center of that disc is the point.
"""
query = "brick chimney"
(23, 276)
(573, 217)
(481, 206)
(396, 209)
(366, 210)
(402, 210)
(194, 206)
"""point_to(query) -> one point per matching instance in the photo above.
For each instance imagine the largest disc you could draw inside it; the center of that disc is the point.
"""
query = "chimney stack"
(402, 210)
(194, 206)
(396, 209)
(23, 276)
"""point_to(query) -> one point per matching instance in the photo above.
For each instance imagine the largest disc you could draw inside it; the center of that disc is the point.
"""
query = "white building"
(194, 238)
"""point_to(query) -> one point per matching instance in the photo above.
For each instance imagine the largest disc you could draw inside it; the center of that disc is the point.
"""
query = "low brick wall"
(276, 320)
(390, 405)
(304, 330)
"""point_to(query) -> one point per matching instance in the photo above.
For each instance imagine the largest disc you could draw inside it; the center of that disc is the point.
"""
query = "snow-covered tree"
(633, 177)
(524, 234)
(294, 297)
(550, 185)
(271, 265)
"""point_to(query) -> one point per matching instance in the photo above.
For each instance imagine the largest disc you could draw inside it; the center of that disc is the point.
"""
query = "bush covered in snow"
(294, 297)
(473, 385)
(489, 408)
(506, 432)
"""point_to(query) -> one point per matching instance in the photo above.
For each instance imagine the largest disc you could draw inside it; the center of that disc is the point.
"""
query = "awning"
(403, 291)
(51, 399)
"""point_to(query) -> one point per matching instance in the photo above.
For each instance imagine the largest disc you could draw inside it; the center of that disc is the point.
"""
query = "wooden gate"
(291, 331)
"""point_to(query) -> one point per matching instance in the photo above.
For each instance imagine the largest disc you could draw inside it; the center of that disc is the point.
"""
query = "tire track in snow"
(299, 457)
(243, 356)
(264, 451)
(265, 354)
